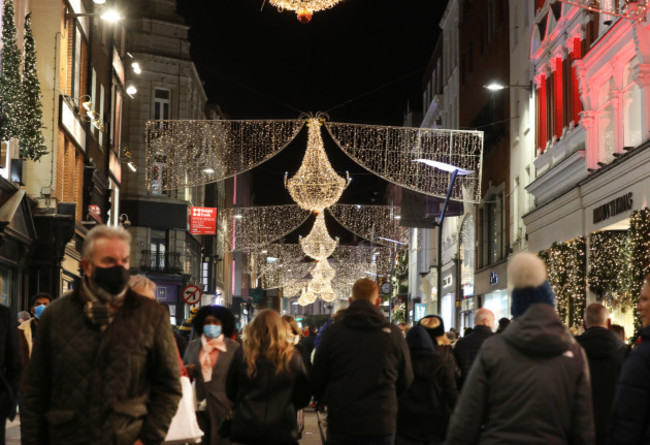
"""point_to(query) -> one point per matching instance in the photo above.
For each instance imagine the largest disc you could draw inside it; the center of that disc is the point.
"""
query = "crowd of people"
(102, 366)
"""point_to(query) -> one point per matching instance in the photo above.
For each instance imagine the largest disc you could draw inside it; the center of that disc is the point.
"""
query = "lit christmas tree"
(32, 142)
(10, 86)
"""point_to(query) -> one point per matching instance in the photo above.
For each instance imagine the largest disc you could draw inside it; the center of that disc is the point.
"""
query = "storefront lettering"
(613, 207)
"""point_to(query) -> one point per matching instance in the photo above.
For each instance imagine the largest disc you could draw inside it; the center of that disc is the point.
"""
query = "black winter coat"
(361, 365)
(11, 364)
(630, 420)
(266, 405)
(425, 408)
(605, 353)
(529, 385)
(467, 348)
(113, 387)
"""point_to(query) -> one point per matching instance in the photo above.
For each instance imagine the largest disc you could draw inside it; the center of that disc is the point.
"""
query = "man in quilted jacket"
(104, 369)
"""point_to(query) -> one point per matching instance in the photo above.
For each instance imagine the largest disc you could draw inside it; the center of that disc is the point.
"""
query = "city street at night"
(354, 222)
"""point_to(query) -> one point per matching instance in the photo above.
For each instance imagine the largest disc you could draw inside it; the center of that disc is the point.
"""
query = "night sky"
(360, 62)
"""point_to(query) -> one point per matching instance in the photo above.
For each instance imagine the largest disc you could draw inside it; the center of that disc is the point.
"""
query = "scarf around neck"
(98, 311)
(209, 353)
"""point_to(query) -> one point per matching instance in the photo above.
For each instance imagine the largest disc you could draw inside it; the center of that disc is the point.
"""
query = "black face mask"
(112, 279)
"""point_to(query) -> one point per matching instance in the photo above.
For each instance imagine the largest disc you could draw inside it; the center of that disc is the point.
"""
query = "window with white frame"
(161, 103)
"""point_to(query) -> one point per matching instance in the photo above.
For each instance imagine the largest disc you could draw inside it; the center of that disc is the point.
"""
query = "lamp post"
(455, 171)
(498, 86)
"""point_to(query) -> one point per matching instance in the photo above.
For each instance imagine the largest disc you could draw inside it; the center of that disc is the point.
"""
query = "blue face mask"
(212, 330)
(38, 310)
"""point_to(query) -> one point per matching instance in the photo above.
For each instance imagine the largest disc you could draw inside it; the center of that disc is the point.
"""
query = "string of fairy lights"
(191, 153)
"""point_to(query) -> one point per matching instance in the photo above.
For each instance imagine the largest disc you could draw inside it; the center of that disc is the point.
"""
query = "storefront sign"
(72, 125)
(203, 220)
(613, 207)
(95, 212)
(420, 311)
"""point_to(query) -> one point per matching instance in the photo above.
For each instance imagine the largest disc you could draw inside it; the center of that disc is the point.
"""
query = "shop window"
(492, 240)
(158, 247)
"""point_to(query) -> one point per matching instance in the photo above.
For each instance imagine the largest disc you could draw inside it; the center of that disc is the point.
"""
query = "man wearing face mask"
(27, 330)
(104, 369)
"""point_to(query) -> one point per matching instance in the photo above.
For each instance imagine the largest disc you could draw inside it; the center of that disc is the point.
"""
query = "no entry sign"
(192, 294)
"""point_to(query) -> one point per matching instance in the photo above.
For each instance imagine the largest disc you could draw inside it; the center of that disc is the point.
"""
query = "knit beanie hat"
(434, 325)
(527, 275)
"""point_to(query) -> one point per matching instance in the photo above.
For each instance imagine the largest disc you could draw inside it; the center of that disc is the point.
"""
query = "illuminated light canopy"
(319, 244)
(376, 223)
(316, 185)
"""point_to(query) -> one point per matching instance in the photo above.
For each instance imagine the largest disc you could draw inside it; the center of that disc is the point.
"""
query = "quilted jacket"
(113, 387)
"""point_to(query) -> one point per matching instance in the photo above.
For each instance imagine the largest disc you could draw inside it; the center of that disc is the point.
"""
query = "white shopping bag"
(184, 427)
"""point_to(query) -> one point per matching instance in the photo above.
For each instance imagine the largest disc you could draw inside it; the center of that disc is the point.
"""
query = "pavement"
(310, 436)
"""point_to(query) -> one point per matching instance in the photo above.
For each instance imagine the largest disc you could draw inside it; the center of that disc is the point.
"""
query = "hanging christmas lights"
(629, 9)
(304, 8)
(316, 186)
(319, 244)
(187, 153)
(375, 223)
(252, 228)
(388, 152)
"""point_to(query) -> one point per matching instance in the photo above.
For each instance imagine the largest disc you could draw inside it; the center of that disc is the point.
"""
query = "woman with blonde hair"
(268, 383)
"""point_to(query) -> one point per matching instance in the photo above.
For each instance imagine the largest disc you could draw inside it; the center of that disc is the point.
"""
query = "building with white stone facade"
(592, 161)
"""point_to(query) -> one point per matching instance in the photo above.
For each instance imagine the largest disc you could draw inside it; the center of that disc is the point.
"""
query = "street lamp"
(455, 171)
(108, 15)
(498, 86)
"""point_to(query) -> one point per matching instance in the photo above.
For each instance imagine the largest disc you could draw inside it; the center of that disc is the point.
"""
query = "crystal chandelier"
(304, 8)
(316, 186)
(319, 244)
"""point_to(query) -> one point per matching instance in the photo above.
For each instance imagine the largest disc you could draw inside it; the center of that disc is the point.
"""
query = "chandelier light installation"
(316, 185)
(319, 244)
(304, 8)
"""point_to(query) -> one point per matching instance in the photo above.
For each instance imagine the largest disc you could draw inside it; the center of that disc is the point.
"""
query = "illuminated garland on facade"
(636, 257)
(388, 152)
(606, 265)
(566, 264)
(188, 153)
(630, 9)
(371, 222)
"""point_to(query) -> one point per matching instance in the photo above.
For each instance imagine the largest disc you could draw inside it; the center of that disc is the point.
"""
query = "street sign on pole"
(192, 294)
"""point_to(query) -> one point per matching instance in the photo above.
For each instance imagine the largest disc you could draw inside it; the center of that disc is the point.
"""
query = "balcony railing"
(168, 262)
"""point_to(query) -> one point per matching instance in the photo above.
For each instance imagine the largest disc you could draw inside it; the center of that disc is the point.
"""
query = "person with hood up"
(425, 408)
(530, 384)
(361, 366)
(630, 420)
(605, 353)
(435, 327)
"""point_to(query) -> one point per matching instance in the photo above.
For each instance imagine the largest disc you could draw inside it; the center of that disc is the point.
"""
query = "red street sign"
(95, 212)
(192, 294)
(203, 220)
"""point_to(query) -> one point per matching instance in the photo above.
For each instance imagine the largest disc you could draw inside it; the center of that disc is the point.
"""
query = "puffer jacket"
(605, 353)
(529, 385)
(266, 405)
(112, 387)
(467, 348)
(630, 420)
(361, 366)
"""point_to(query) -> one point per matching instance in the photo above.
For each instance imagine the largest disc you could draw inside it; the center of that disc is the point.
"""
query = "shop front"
(492, 290)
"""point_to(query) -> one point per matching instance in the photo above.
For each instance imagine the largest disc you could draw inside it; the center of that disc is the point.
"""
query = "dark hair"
(224, 315)
(503, 324)
(38, 296)
(618, 330)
